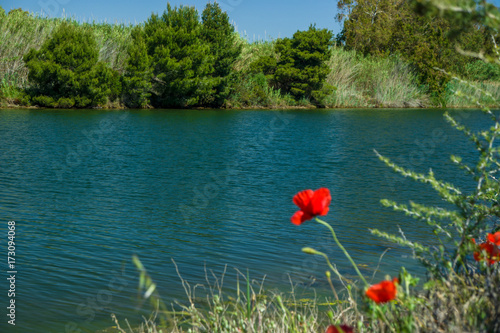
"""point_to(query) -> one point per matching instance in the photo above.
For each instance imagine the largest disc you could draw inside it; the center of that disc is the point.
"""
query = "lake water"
(88, 189)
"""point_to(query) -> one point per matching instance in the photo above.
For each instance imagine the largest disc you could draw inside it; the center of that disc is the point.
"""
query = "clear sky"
(271, 18)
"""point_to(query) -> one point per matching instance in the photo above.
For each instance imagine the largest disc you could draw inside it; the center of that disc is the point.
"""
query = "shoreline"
(249, 108)
(253, 108)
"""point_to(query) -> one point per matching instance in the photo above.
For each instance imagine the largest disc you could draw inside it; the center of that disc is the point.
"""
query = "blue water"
(89, 188)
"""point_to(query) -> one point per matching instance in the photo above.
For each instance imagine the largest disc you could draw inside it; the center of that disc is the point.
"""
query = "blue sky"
(255, 17)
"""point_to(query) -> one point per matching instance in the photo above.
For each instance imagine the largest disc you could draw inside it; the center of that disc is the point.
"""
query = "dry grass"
(372, 82)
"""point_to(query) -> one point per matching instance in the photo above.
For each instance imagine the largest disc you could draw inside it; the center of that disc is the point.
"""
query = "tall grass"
(252, 308)
(460, 93)
(251, 51)
(372, 82)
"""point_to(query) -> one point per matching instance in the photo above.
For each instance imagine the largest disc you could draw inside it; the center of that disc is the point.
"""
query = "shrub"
(180, 58)
(66, 66)
(65, 103)
(301, 68)
(138, 72)
(264, 64)
(219, 34)
(253, 90)
(482, 71)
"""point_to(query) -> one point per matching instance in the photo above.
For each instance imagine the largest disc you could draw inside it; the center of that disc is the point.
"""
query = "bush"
(180, 58)
(66, 66)
(481, 71)
(138, 72)
(301, 69)
(219, 34)
(65, 103)
(264, 64)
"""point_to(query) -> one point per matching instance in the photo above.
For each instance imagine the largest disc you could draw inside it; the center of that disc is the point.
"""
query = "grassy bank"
(359, 81)
(447, 307)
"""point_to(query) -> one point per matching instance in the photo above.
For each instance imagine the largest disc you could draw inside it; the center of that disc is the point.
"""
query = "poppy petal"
(302, 199)
(382, 292)
(300, 217)
(494, 238)
(488, 252)
(320, 201)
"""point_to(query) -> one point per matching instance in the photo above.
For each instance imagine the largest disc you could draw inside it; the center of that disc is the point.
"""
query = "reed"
(372, 82)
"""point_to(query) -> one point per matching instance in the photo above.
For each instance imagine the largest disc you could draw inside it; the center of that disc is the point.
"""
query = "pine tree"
(65, 72)
(181, 60)
(138, 72)
(224, 49)
(302, 69)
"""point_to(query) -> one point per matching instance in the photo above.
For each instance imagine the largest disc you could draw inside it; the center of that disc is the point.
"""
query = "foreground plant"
(383, 292)
(314, 203)
(488, 251)
(339, 329)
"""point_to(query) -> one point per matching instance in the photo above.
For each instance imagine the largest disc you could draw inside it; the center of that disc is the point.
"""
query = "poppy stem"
(343, 249)
(384, 319)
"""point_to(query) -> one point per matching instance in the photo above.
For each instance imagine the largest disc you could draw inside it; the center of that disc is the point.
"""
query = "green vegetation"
(180, 59)
(301, 69)
(220, 36)
(65, 72)
(370, 81)
(386, 56)
(138, 74)
(426, 42)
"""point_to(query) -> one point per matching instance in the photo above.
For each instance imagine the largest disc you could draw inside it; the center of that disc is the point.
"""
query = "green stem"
(333, 268)
(343, 249)
(249, 303)
(384, 319)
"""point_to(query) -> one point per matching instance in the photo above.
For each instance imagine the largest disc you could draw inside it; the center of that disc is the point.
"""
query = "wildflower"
(311, 204)
(494, 238)
(339, 329)
(383, 292)
(492, 252)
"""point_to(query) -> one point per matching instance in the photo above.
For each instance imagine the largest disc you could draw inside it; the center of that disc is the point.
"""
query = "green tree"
(18, 11)
(221, 38)
(65, 71)
(301, 69)
(424, 43)
(2, 12)
(181, 60)
(369, 24)
(264, 64)
(428, 42)
(138, 72)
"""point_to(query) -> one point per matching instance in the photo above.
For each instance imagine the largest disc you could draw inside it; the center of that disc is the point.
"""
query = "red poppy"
(339, 329)
(492, 252)
(311, 204)
(494, 238)
(383, 292)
